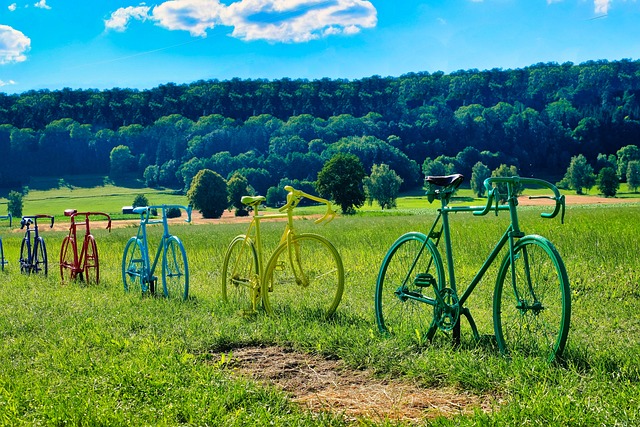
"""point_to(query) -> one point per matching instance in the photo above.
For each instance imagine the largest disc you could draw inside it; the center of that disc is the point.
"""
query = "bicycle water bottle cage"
(442, 187)
(252, 200)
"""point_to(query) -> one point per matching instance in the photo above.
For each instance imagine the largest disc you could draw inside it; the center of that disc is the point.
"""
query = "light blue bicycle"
(137, 269)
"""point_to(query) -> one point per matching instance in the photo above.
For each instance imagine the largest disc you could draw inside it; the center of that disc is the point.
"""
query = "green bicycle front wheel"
(532, 301)
(305, 275)
(133, 267)
(410, 267)
(240, 275)
(175, 270)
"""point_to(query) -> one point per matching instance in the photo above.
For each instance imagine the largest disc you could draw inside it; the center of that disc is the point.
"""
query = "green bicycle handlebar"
(294, 196)
(513, 181)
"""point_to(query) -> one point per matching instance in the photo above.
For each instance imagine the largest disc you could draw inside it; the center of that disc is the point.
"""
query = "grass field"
(75, 355)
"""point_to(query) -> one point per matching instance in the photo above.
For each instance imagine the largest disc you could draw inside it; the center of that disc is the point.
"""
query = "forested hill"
(536, 118)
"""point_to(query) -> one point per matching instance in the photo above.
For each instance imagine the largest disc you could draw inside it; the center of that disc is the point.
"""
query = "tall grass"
(97, 356)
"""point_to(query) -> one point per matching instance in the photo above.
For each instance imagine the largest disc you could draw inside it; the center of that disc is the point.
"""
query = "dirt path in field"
(575, 199)
(327, 385)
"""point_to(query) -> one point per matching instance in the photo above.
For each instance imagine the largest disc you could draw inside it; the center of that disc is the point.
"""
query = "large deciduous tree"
(208, 193)
(341, 181)
(479, 173)
(122, 161)
(383, 186)
(238, 186)
(633, 175)
(608, 182)
(579, 174)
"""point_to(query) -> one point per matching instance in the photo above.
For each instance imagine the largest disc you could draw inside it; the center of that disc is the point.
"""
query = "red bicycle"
(85, 265)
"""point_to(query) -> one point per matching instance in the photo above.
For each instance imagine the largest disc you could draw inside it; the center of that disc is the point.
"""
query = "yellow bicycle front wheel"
(305, 276)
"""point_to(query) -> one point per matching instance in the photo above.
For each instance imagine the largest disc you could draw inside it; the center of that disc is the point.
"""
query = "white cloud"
(13, 45)
(12, 7)
(7, 83)
(42, 4)
(271, 20)
(298, 20)
(602, 6)
(119, 20)
(194, 16)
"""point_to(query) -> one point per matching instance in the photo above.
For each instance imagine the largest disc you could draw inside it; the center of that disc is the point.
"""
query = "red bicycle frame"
(84, 265)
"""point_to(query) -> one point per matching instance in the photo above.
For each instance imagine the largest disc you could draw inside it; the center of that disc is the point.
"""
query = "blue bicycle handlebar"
(146, 210)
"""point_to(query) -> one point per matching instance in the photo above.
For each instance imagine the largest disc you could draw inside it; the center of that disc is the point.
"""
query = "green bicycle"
(305, 270)
(137, 269)
(531, 298)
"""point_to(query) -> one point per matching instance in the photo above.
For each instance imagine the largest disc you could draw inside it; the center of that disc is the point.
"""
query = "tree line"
(536, 118)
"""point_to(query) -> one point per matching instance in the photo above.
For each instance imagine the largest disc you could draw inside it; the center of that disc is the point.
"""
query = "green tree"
(506, 171)
(341, 181)
(238, 186)
(633, 175)
(579, 174)
(150, 175)
(208, 193)
(15, 203)
(479, 173)
(121, 160)
(383, 185)
(140, 201)
(431, 167)
(608, 182)
(625, 155)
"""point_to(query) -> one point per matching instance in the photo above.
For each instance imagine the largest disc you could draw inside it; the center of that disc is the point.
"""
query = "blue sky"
(101, 44)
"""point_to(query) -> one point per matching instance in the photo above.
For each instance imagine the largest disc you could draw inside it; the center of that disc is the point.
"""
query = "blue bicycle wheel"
(134, 272)
(175, 270)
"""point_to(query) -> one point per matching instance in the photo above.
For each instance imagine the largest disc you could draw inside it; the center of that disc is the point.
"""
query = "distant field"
(53, 197)
(98, 193)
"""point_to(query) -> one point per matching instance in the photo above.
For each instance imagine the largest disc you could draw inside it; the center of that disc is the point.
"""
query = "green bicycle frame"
(509, 237)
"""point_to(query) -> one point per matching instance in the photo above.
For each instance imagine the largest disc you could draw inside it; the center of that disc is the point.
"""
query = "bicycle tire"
(134, 272)
(240, 275)
(534, 316)
(311, 280)
(175, 270)
(91, 263)
(403, 269)
(67, 260)
(25, 264)
(3, 262)
(40, 261)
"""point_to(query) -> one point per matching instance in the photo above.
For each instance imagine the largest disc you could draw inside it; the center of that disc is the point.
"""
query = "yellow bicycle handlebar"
(294, 196)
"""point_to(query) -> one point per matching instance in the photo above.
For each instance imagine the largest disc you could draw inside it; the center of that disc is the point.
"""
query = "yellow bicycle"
(304, 272)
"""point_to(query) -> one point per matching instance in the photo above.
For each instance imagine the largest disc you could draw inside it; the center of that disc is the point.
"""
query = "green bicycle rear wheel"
(532, 300)
(410, 267)
(306, 276)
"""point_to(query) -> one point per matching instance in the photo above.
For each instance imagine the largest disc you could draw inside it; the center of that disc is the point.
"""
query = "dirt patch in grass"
(321, 384)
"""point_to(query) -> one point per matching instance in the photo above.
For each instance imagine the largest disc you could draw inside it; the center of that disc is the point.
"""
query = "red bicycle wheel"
(91, 263)
(68, 260)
